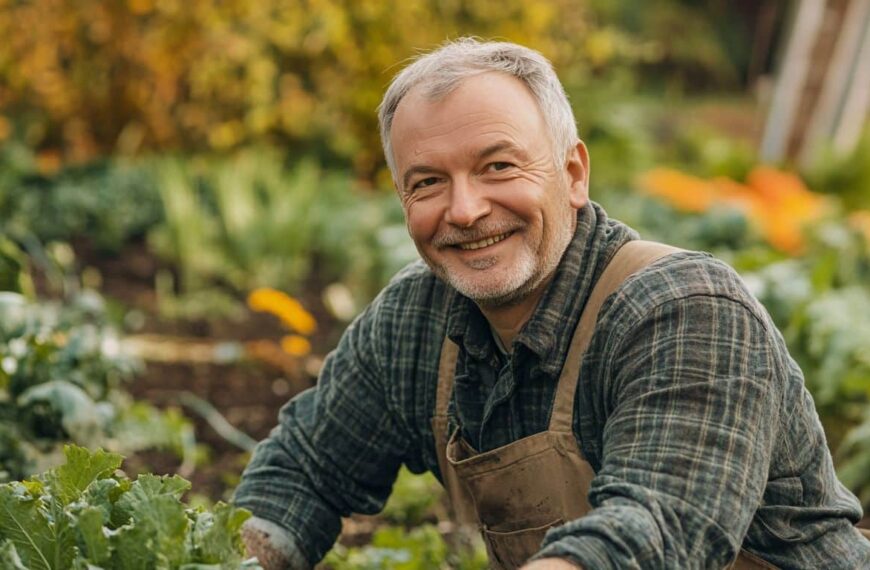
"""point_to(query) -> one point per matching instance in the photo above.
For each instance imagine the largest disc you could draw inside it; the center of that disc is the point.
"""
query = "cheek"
(422, 220)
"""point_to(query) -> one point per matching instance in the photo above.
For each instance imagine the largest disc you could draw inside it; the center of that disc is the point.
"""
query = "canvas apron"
(515, 493)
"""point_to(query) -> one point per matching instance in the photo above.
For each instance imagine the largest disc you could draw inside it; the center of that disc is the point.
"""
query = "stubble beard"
(514, 284)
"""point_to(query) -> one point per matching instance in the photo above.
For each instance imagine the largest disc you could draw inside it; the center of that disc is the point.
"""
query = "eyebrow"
(486, 152)
(416, 169)
(498, 147)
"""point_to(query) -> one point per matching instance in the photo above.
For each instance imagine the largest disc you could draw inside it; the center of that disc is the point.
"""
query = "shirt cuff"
(274, 541)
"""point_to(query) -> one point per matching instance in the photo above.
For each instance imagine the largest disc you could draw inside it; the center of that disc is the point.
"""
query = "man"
(689, 435)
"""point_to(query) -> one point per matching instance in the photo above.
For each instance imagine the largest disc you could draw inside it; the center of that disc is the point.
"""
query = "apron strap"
(446, 372)
(464, 511)
(628, 260)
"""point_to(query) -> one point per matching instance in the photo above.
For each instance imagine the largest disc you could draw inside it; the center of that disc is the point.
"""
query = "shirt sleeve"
(692, 405)
(336, 450)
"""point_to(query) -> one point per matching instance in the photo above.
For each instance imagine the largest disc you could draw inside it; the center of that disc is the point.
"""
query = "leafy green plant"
(393, 548)
(414, 498)
(61, 379)
(421, 548)
(108, 202)
(845, 175)
(85, 515)
(410, 539)
(14, 274)
(249, 221)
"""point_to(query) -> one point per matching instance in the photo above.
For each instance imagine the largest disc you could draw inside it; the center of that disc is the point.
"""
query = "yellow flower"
(295, 345)
(289, 310)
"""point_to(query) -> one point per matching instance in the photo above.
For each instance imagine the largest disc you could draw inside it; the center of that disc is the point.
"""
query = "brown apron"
(517, 492)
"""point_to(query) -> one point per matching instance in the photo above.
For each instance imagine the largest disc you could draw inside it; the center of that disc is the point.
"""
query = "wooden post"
(792, 76)
(842, 106)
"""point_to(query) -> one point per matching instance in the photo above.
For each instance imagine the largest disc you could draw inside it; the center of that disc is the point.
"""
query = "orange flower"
(295, 345)
(788, 207)
(737, 195)
(682, 191)
(777, 202)
(289, 310)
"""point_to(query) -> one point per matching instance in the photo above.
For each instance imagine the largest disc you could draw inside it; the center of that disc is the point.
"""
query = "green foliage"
(83, 515)
(61, 375)
(250, 222)
(418, 548)
(414, 542)
(847, 176)
(14, 274)
(821, 302)
(413, 499)
(724, 231)
(93, 78)
(392, 548)
(108, 202)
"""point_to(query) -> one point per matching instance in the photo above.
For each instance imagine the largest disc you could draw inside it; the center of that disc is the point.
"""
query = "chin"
(502, 291)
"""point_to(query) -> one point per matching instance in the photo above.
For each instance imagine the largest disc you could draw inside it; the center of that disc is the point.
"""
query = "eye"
(430, 181)
(499, 166)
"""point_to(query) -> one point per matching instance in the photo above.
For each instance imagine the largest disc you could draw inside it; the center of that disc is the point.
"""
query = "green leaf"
(133, 548)
(95, 545)
(142, 491)
(9, 559)
(103, 494)
(216, 536)
(82, 468)
(155, 538)
(156, 517)
(40, 533)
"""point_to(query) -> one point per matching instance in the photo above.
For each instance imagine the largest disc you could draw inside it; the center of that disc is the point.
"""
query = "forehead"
(479, 109)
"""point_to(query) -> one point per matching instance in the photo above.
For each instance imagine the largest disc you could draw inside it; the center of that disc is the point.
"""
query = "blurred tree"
(92, 77)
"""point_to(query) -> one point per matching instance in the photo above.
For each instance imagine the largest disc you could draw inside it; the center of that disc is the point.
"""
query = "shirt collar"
(549, 330)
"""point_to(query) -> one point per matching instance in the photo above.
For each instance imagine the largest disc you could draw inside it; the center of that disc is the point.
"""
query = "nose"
(467, 204)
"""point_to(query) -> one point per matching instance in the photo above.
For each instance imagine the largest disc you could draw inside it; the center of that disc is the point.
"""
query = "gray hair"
(445, 68)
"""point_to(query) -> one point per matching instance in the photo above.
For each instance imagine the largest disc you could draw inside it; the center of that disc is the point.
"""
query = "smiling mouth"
(483, 243)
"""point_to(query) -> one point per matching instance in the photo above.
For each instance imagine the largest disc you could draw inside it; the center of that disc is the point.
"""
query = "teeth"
(483, 243)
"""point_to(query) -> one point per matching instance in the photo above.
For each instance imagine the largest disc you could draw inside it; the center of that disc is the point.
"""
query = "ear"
(577, 174)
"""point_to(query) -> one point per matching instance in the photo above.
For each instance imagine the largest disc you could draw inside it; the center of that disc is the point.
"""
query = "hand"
(258, 543)
(551, 564)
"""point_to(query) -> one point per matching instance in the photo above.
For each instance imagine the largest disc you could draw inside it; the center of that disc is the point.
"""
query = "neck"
(508, 320)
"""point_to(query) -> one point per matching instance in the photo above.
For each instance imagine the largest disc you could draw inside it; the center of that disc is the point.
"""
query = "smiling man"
(490, 212)
(587, 399)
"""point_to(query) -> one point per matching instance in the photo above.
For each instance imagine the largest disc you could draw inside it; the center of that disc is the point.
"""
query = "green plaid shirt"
(691, 411)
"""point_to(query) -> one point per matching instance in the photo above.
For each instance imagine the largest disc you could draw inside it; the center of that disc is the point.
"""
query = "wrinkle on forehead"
(465, 143)
(496, 103)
